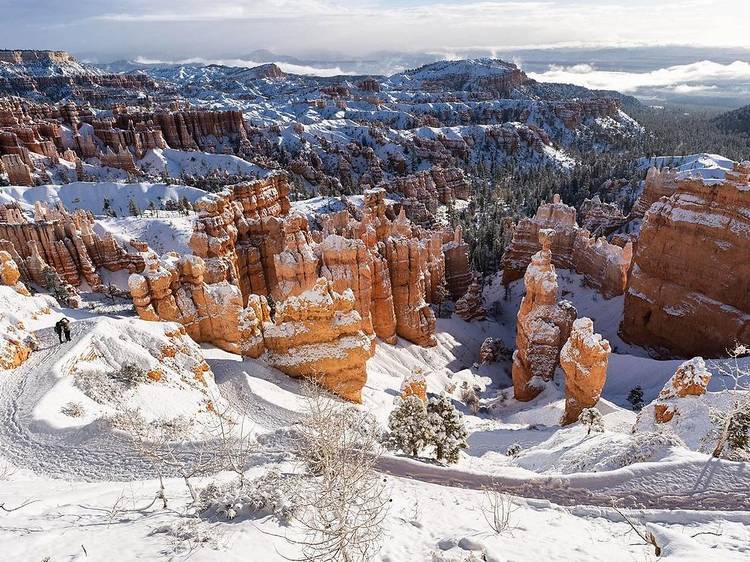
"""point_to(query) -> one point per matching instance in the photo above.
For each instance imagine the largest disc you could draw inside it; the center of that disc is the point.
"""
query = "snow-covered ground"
(88, 487)
(93, 195)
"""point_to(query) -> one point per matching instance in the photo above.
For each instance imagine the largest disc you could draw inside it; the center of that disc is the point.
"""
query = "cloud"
(244, 63)
(182, 28)
(688, 77)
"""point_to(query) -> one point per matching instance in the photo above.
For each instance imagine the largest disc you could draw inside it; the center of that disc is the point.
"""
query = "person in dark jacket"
(62, 327)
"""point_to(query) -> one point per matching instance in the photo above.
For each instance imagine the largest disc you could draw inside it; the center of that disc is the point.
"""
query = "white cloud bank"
(682, 79)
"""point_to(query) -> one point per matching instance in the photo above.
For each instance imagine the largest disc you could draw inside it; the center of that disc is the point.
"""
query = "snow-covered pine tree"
(409, 427)
(738, 434)
(448, 429)
(592, 418)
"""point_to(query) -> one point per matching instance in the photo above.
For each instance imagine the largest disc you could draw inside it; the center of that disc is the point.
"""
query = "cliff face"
(318, 335)
(603, 265)
(64, 241)
(28, 128)
(689, 290)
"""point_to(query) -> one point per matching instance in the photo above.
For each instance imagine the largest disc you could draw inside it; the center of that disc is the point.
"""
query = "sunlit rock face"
(318, 335)
(64, 241)
(543, 325)
(584, 358)
(689, 288)
(604, 265)
(690, 379)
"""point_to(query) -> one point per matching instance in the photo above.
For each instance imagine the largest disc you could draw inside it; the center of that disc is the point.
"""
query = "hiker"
(63, 327)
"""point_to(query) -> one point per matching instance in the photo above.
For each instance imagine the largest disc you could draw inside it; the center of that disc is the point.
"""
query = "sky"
(176, 29)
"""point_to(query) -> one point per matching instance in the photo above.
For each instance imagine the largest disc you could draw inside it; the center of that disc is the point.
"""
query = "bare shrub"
(270, 494)
(734, 423)
(73, 409)
(343, 500)
(470, 397)
(498, 509)
(130, 375)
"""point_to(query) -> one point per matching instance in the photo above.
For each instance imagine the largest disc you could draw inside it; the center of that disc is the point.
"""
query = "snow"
(91, 195)
(177, 163)
(561, 481)
(711, 168)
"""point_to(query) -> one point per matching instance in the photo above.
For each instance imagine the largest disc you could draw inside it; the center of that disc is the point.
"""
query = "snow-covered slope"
(92, 195)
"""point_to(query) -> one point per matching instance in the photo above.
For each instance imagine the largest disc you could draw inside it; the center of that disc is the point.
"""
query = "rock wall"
(543, 325)
(30, 128)
(658, 183)
(604, 266)
(173, 289)
(689, 289)
(458, 274)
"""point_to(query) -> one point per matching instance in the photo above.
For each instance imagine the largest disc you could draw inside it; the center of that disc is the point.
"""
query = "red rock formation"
(689, 289)
(458, 275)
(65, 241)
(415, 321)
(690, 379)
(431, 187)
(584, 358)
(604, 266)
(10, 274)
(173, 289)
(347, 264)
(19, 173)
(600, 218)
(543, 324)
(415, 384)
(659, 183)
(470, 306)
(27, 127)
(317, 335)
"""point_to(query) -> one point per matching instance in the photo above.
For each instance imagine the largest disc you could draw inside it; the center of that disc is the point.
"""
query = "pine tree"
(636, 398)
(410, 429)
(133, 208)
(738, 435)
(107, 208)
(592, 418)
(448, 433)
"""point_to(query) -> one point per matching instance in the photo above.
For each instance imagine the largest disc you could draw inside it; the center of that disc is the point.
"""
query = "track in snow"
(91, 453)
(95, 454)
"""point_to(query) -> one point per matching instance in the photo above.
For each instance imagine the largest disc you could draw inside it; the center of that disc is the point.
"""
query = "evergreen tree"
(448, 433)
(738, 435)
(133, 208)
(107, 208)
(409, 427)
(636, 398)
(592, 418)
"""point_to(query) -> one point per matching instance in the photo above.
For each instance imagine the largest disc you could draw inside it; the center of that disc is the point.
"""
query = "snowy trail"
(701, 485)
(84, 454)
(94, 453)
